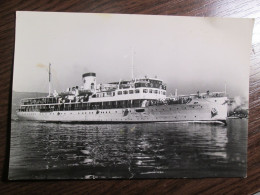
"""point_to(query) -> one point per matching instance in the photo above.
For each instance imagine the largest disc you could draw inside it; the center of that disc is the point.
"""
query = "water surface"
(147, 150)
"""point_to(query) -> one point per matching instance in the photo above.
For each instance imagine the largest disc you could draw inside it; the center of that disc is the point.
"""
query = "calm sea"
(148, 150)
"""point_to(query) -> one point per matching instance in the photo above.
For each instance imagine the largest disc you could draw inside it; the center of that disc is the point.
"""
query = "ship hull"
(210, 109)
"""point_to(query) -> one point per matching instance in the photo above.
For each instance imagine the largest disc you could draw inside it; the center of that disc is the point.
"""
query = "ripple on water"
(158, 150)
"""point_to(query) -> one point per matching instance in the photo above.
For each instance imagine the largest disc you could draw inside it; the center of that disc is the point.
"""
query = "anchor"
(214, 112)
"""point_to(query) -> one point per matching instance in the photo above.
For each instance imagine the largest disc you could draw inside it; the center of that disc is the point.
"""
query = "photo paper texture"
(118, 96)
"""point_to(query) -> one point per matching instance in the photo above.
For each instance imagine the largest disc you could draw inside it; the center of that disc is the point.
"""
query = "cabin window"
(114, 104)
(107, 105)
(120, 104)
(137, 85)
(136, 103)
(155, 91)
(109, 93)
(137, 91)
(131, 91)
(119, 93)
(145, 90)
(92, 86)
(125, 92)
(150, 91)
(97, 95)
(113, 93)
(164, 93)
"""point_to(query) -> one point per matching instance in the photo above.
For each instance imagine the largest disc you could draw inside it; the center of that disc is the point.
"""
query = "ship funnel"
(89, 81)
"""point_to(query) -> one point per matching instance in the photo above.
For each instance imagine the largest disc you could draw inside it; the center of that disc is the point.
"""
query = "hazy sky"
(188, 53)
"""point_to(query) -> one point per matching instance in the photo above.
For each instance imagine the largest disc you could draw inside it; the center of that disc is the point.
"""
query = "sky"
(188, 53)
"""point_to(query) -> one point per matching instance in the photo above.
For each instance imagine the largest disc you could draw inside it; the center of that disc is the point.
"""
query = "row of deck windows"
(84, 106)
(33, 114)
(87, 106)
(131, 91)
(138, 91)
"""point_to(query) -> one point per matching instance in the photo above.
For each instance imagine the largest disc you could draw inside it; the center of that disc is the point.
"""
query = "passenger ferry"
(136, 100)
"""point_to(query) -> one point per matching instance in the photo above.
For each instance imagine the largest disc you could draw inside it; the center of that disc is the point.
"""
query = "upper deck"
(114, 92)
(136, 89)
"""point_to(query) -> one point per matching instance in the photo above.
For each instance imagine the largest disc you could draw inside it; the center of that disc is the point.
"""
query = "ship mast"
(132, 63)
(49, 79)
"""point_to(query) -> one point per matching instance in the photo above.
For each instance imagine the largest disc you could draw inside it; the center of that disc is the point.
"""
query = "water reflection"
(161, 150)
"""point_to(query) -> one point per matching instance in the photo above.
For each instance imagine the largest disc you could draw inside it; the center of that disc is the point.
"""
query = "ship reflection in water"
(148, 150)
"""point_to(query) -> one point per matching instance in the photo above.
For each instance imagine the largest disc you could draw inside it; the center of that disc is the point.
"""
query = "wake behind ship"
(136, 100)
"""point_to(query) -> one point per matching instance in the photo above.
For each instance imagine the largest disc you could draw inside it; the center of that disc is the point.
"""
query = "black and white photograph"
(121, 96)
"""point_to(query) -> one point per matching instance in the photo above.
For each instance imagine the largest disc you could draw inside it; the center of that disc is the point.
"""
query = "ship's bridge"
(142, 88)
(140, 82)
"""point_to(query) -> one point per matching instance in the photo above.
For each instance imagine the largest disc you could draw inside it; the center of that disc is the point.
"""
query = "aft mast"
(133, 63)
(225, 89)
(49, 79)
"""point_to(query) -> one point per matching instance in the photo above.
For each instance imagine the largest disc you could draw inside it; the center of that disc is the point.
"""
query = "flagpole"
(49, 79)
(132, 63)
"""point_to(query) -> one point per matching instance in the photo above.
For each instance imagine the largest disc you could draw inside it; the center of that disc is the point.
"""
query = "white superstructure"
(137, 100)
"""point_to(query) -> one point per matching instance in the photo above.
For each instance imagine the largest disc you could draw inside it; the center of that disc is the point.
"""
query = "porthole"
(195, 116)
